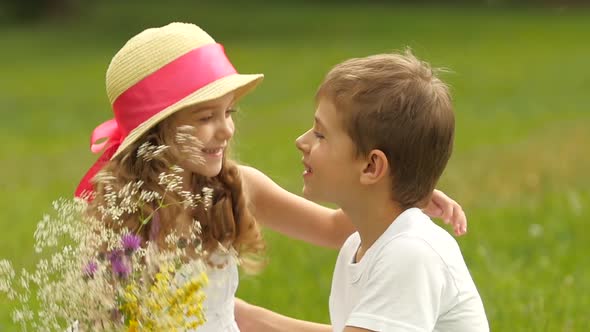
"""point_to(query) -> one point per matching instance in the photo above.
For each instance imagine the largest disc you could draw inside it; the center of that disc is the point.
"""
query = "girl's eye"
(230, 111)
(206, 118)
(318, 135)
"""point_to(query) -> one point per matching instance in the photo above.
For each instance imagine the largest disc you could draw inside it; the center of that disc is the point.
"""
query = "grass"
(520, 81)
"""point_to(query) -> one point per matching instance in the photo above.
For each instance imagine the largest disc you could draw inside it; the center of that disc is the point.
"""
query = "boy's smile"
(307, 171)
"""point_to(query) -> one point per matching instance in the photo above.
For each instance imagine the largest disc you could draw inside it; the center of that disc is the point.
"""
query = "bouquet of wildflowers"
(90, 277)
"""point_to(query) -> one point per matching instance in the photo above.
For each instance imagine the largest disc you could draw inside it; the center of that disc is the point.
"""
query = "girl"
(176, 80)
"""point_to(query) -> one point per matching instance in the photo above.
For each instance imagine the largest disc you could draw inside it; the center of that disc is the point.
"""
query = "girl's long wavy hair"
(227, 221)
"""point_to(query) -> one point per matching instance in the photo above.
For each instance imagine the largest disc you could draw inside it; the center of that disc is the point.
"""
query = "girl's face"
(201, 134)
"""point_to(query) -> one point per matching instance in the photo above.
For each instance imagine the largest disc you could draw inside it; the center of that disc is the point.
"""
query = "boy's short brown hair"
(395, 103)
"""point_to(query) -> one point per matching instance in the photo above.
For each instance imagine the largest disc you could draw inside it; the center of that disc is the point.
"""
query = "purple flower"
(118, 264)
(115, 254)
(131, 243)
(90, 269)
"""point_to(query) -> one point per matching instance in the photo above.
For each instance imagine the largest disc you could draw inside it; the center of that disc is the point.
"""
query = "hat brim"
(237, 83)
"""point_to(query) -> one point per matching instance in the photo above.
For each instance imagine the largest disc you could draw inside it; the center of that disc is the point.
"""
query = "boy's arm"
(251, 318)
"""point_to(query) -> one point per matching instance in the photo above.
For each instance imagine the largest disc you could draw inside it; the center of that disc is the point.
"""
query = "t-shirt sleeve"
(403, 290)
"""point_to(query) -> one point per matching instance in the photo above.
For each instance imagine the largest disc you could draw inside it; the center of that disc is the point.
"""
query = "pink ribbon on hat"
(154, 93)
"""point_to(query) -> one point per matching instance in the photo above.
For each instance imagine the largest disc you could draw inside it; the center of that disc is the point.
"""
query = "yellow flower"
(180, 293)
(133, 326)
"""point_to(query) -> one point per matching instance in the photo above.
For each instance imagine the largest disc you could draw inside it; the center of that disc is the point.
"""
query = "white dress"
(219, 297)
(219, 301)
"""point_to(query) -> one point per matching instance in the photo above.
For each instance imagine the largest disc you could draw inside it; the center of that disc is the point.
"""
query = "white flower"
(149, 152)
(189, 144)
(69, 240)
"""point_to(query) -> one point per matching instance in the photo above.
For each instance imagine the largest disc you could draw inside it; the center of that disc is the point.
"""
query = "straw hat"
(151, 50)
(157, 73)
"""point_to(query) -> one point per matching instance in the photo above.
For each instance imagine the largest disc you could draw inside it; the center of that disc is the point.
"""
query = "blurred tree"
(489, 3)
(34, 10)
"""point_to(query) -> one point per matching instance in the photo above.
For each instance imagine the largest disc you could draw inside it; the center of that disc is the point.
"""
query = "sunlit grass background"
(520, 79)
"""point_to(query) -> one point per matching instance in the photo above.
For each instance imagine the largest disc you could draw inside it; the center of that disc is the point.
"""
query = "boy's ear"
(376, 167)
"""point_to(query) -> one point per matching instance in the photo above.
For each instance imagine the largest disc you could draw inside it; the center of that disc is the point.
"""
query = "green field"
(520, 80)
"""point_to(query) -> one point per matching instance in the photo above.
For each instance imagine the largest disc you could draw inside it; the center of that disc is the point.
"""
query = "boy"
(382, 136)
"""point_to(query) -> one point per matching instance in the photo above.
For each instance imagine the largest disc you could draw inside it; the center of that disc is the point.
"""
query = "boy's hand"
(443, 207)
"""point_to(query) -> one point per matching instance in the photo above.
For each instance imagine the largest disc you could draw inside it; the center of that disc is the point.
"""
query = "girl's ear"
(376, 167)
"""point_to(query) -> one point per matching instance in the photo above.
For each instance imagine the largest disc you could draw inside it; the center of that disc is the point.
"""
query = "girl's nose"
(226, 129)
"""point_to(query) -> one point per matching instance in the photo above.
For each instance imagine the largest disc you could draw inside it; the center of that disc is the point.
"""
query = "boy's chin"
(305, 192)
(308, 194)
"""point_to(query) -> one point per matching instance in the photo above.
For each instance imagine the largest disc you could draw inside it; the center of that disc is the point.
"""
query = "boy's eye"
(318, 135)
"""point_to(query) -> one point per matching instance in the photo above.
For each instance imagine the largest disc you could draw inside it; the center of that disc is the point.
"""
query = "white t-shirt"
(413, 278)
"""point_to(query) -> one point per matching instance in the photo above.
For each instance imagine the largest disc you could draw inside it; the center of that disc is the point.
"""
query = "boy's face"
(331, 169)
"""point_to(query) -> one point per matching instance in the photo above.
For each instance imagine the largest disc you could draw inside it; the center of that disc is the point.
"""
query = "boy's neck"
(371, 217)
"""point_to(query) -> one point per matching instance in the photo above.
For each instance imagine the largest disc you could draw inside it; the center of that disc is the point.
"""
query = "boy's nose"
(301, 144)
